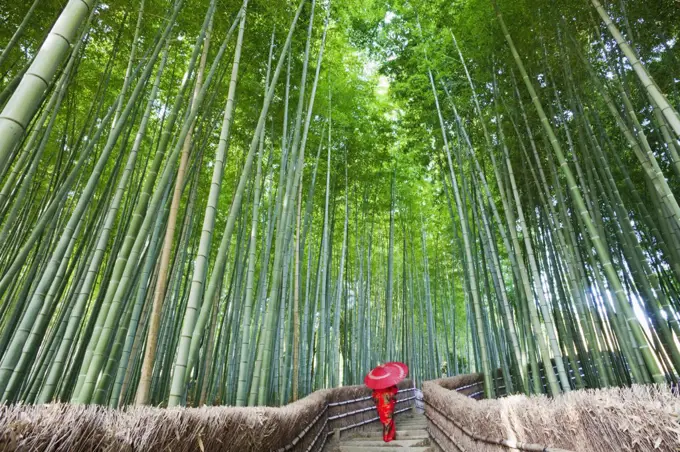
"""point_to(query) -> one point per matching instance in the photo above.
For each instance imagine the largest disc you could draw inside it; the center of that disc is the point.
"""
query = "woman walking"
(383, 380)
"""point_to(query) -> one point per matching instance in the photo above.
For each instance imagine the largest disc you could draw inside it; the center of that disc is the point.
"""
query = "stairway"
(411, 436)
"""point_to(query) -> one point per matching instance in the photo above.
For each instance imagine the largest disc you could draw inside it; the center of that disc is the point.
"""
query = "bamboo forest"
(242, 202)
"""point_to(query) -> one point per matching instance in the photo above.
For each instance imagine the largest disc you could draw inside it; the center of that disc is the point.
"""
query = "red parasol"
(386, 375)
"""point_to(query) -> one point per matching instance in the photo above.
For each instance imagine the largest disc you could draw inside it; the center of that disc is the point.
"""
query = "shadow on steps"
(411, 436)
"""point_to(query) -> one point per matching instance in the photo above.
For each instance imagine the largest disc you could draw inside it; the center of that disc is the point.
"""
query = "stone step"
(386, 448)
(402, 426)
(401, 433)
(379, 443)
(411, 436)
(400, 430)
(411, 419)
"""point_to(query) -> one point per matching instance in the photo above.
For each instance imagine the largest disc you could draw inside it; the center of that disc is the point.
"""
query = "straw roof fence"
(641, 418)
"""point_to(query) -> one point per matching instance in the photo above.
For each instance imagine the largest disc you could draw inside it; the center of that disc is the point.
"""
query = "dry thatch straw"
(79, 428)
(641, 418)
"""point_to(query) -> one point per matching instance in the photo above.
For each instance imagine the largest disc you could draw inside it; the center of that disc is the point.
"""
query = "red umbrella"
(403, 367)
(386, 375)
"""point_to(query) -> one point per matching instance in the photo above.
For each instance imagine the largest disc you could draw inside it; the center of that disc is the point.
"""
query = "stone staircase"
(411, 436)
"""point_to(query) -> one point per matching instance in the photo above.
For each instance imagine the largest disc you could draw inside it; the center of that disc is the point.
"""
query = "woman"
(385, 401)
(383, 381)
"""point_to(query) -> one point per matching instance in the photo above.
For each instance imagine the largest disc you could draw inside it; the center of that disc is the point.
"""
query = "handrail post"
(414, 407)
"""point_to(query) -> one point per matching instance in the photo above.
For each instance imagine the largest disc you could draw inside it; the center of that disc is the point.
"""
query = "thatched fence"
(641, 418)
(305, 425)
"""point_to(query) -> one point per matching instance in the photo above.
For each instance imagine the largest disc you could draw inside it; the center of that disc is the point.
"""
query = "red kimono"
(385, 400)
